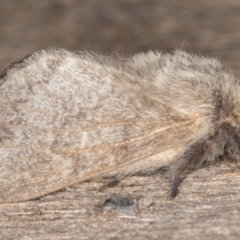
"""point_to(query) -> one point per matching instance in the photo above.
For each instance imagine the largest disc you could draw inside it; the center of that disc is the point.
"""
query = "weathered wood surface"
(208, 205)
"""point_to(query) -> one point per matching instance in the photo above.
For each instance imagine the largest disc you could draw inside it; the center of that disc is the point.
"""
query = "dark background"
(128, 26)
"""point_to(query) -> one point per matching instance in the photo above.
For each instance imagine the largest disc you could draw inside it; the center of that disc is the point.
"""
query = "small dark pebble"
(124, 203)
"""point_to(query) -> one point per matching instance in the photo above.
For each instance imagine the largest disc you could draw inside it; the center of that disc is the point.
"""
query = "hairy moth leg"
(197, 151)
(192, 153)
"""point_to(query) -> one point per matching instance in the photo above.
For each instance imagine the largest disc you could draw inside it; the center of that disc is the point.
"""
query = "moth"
(66, 117)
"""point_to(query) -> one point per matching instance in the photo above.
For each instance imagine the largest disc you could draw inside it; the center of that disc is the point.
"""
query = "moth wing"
(67, 117)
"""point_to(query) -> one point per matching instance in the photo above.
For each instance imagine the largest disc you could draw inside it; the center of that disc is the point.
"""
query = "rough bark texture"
(207, 206)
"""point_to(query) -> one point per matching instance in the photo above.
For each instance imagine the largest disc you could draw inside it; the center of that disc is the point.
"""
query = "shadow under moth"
(66, 117)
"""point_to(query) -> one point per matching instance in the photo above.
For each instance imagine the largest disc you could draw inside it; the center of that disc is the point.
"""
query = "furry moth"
(67, 117)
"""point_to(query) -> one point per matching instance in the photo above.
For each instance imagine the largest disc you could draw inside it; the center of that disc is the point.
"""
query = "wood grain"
(207, 207)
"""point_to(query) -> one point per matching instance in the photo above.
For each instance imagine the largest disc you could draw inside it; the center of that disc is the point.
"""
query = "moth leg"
(196, 152)
(230, 133)
(233, 134)
(236, 141)
(175, 184)
(193, 153)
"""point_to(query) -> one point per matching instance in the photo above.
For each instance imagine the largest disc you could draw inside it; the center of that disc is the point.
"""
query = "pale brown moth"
(67, 117)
